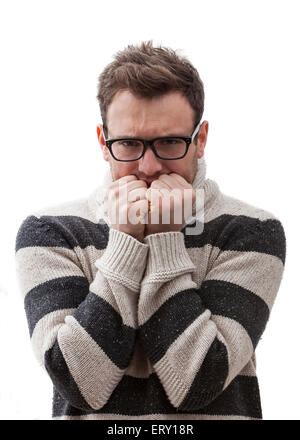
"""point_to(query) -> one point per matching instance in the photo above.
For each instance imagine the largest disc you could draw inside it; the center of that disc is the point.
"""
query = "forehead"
(167, 114)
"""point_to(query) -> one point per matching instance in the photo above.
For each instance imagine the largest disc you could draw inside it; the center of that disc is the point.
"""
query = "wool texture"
(166, 328)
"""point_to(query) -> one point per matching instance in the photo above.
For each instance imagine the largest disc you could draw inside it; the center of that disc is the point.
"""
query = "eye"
(130, 143)
(170, 141)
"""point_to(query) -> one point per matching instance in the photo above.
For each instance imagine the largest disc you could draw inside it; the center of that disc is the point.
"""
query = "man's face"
(167, 115)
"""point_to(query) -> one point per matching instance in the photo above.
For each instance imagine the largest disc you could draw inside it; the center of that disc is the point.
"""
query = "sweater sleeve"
(82, 334)
(198, 339)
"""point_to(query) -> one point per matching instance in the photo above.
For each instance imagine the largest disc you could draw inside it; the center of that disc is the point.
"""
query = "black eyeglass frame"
(188, 140)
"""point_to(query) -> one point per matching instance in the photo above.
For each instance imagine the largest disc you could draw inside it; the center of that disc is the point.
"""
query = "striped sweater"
(164, 329)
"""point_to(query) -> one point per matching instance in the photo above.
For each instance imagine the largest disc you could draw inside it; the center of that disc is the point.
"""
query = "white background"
(247, 54)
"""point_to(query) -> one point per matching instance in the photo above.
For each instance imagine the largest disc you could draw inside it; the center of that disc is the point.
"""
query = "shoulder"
(224, 204)
(249, 228)
(233, 224)
(68, 224)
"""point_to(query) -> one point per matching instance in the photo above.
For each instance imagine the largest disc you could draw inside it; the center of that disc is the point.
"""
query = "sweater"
(166, 328)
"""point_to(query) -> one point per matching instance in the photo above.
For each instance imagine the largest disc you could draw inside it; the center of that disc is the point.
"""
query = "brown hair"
(148, 71)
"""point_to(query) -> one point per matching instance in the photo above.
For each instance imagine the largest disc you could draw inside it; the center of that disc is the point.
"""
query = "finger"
(159, 184)
(171, 181)
(155, 199)
(139, 211)
(130, 186)
(142, 206)
(137, 194)
(154, 194)
(136, 184)
(181, 180)
(120, 190)
(123, 180)
(116, 184)
(127, 178)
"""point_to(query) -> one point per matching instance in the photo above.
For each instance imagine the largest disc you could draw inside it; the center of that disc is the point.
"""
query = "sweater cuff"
(124, 259)
(168, 256)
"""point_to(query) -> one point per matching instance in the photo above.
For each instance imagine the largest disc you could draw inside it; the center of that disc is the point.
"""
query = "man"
(146, 318)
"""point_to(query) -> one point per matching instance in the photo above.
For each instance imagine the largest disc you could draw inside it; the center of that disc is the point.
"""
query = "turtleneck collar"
(200, 175)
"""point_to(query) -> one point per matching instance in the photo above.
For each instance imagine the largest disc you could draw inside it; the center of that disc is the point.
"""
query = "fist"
(127, 205)
(170, 198)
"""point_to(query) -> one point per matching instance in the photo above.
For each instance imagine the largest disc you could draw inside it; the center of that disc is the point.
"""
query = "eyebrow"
(154, 137)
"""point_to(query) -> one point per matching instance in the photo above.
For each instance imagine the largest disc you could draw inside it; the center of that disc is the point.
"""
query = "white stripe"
(94, 373)
(45, 332)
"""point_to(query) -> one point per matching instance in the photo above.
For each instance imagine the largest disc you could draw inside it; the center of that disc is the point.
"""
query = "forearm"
(95, 345)
(83, 333)
(91, 352)
(199, 339)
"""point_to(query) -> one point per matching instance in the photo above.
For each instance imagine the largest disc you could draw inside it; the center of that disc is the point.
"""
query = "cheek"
(180, 167)
(123, 169)
(106, 155)
(185, 168)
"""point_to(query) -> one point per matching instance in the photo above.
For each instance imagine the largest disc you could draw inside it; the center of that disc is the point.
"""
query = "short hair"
(148, 71)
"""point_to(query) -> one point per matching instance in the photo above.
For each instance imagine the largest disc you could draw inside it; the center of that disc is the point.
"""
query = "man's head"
(149, 92)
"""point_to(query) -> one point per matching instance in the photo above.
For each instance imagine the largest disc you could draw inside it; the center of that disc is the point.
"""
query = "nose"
(149, 164)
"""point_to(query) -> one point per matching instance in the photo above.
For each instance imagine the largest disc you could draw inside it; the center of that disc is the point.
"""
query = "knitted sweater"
(164, 329)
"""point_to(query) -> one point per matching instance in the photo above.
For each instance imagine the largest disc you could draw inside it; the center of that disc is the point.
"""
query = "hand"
(127, 205)
(166, 210)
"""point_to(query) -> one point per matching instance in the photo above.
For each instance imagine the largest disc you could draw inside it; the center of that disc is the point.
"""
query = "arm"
(82, 334)
(199, 339)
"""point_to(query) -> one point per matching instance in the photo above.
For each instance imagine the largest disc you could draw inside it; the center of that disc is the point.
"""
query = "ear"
(101, 141)
(202, 138)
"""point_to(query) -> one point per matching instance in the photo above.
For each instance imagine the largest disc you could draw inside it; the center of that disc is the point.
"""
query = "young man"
(148, 318)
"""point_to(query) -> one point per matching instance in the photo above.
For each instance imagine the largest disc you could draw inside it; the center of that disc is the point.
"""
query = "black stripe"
(227, 232)
(137, 397)
(62, 231)
(168, 322)
(235, 302)
(62, 379)
(34, 232)
(104, 324)
(241, 233)
(209, 380)
(56, 294)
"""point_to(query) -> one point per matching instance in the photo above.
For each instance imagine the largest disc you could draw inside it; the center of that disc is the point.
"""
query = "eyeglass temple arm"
(196, 130)
(102, 128)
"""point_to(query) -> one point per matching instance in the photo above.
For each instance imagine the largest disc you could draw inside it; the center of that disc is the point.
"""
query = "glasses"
(167, 148)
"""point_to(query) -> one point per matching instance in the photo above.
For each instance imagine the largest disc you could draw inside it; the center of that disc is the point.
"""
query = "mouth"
(148, 182)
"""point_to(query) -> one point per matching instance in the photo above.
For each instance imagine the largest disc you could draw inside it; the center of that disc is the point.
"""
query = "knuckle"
(129, 178)
(142, 184)
(115, 192)
(155, 184)
(143, 190)
(112, 193)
